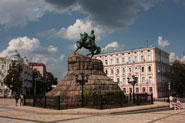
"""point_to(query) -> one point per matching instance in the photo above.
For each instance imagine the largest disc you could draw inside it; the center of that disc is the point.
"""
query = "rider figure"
(91, 39)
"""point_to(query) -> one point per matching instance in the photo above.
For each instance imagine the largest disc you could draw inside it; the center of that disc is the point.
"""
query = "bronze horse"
(88, 42)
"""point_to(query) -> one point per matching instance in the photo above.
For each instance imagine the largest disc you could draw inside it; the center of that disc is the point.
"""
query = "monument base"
(97, 80)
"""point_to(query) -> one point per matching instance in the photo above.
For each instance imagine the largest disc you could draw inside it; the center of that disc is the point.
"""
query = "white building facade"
(150, 65)
(26, 74)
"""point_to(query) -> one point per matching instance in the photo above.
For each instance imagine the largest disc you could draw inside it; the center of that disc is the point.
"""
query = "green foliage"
(13, 79)
(50, 80)
(62, 95)
(108, 96)
(178, 78)
(55, 98)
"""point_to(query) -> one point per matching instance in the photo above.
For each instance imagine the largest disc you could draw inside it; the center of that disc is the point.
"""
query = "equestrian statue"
(88, 42)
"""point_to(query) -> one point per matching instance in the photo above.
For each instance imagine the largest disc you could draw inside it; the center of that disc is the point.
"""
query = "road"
(163, 115)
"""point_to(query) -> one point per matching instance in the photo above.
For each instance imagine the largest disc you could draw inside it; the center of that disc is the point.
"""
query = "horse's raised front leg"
(78, 45)
(76, 50)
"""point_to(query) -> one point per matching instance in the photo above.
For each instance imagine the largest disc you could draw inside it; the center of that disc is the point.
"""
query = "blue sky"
(46, 30)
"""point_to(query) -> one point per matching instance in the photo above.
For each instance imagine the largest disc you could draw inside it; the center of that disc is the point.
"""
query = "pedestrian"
(16, 98)
(21, 99)
(171, 102)
(179, 105)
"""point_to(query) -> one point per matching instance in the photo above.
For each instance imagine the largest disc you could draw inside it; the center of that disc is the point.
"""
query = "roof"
(121, 51)
(37, 64)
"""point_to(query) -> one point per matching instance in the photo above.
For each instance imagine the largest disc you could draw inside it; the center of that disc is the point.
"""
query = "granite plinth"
(77, 64)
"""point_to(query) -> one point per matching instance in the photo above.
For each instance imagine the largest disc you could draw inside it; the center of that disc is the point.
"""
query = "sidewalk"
(10, 104)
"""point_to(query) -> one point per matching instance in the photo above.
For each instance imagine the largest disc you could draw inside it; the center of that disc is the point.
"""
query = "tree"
(13, 79)
(50, 80)
(178, 77)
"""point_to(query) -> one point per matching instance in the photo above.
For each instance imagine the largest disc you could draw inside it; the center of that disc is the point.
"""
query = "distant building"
(150, 65)
(39, 67)
(26, 74)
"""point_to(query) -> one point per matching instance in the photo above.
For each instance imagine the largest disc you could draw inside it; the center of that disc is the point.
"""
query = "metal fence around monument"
(93, 101)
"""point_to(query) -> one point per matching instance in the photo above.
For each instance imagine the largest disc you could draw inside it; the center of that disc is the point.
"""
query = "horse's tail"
(98, 50)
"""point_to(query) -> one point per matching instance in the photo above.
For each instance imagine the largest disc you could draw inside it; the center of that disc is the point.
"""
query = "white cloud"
(31, 49)
(183, 59)
(22, 44)
(18, 12)
(111, 46)
(173, 57)
(72, 32)
(62, 57)
(52, 49)
(163, 43)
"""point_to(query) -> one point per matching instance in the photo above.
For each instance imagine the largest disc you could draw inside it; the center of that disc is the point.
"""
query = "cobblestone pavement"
(159, 116)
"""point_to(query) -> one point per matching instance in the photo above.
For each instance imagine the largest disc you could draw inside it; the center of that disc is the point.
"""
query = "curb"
(86, 111)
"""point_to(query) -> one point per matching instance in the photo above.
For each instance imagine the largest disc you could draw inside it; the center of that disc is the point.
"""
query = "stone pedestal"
(78, 64)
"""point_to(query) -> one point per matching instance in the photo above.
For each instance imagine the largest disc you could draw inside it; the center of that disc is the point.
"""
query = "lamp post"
(82, 81)
(169, 88)
(133, 84)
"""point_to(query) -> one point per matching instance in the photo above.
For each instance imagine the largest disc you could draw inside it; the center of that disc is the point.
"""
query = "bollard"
(58, 102)
(101, 102)
(121, 99)
(137, 99)
(130, 97)
(34, 99)
(24, 99)
(45, 100)
(152, 101)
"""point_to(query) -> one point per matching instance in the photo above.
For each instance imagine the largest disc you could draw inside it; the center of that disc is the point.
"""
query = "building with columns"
(150, 65)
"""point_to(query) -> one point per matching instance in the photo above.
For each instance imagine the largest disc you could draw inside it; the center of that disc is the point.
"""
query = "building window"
(149, 57)
(143, 79)
(142, 58)
(137, 90)
(117, 71)
(149, 69)
(135, 58)
(117, 60)
(130, 90)
(112, 71)
(2, 75)
(106, 62)
(123, 70)
(150, 79)
(151, 89)
(111, 61)
(118, 80)
(129, 70)
(123, 60)
(124, 81)
(2, 67)
(136, 70)
(144, 90)
(124, 90)
(143, 69)
(129, 60)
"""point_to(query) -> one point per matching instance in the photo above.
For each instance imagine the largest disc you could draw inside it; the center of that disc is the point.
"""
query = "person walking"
(16, 99)
(21, 99)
